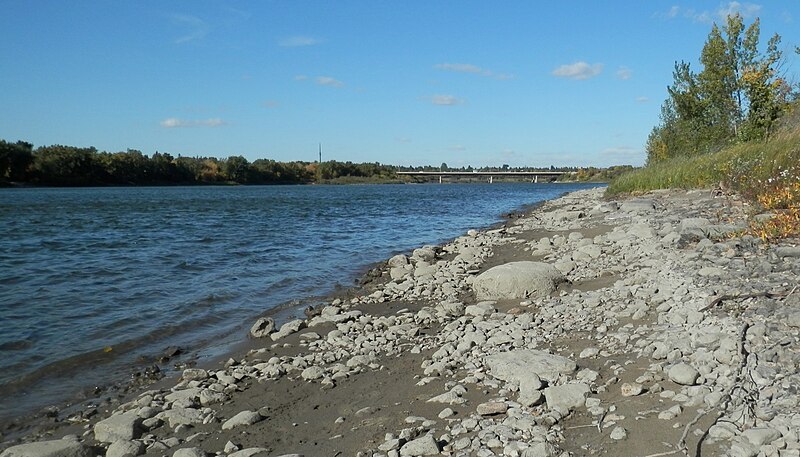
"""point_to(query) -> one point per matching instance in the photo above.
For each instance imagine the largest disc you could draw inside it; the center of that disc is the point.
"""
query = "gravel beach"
(646, 326)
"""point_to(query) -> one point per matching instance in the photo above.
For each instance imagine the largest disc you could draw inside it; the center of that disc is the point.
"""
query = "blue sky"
(406, 83)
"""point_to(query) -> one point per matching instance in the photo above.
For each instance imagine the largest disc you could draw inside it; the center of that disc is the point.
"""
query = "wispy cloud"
(457, 148)
(328, 81)
(196, 28)
(174, 122)
(446, 100)
(403, 139)
(473, 69)
(642, 100)
(300, 77)
(747, 10)
(270, 104)
(298, 41)
(624, 73)
(578, 70)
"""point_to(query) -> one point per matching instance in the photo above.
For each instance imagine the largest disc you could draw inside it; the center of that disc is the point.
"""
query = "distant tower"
(320, 153)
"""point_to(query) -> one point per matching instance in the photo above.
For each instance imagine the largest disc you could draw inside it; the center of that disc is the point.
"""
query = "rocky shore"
(640, 327)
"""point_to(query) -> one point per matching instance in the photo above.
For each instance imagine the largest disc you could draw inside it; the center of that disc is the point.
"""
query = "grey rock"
(518, 365)
(760, 436)
(194, 374)
(125, 448)
(182, 416)
(263, 327)
(425, 445)
(249, 452)
(638, 205)
(189, 452)
(540, 449)
(243, 418)
(125, 426)
(313, 372)
(631, 389)
(288, 328)
(683, 374)
(491, 408)
(566, 396)
(52, 448)
(787, 251)
(619, 433)
(517, 280)
(398, 261)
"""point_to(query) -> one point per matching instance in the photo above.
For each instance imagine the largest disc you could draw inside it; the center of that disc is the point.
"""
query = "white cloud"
(300, 77)
(197, 28)
(457, 148)
(328, 81)
(174, 122)
(747, 10)
(624, 73)
(578, 70)
(298, 41)
(271, 104)
(403, 139)
(642, 99)
(474, 69)
(446, 100)
(459, 67)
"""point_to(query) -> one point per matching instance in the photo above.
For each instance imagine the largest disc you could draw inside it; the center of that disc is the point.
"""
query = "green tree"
(737, 96)
(15, 159)
(237, 169)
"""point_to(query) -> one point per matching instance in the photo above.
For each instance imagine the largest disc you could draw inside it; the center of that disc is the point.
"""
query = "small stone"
(263, 327)
(190, 452)
(244, 418)
(425, 445)
(125, 448)
(619, 433)
(249, 452)
(447, 412)
(492, 408)
(588, 353)
(631, 389)
(125, 426)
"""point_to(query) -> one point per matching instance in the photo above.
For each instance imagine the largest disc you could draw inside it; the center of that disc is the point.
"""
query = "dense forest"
(61, 165)
(73, 166)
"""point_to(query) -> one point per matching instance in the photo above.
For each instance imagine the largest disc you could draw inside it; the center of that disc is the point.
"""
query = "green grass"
(747, 168)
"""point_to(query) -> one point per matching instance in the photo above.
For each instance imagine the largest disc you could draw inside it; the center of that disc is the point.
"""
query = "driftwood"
(722, 298)
(724, 401)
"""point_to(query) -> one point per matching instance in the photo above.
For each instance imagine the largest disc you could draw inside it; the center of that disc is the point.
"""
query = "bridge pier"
(491, 179)
(440, 179)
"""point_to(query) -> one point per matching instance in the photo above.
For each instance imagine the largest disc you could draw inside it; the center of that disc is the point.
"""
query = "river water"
(95, 280)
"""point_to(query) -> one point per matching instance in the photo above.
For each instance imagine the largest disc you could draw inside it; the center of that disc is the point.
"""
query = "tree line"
(60, 165)
(738, 95)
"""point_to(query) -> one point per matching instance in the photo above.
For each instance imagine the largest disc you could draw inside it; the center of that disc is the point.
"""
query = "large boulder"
(517, 280)
(52, 448)
(124, 426)
(567, 396)
(518, 366)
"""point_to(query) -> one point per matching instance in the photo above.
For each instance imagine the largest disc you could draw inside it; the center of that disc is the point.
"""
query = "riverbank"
(652, 328)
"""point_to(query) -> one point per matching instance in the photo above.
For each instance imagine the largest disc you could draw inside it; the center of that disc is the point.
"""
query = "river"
(95, 280)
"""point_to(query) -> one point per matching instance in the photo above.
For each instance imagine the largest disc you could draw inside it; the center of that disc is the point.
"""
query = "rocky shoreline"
(640, 327)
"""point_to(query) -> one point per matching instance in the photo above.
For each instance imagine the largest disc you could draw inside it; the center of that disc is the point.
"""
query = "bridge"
(532, 175)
